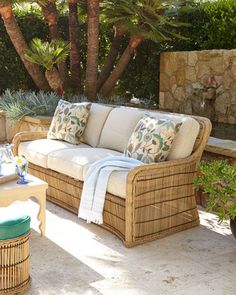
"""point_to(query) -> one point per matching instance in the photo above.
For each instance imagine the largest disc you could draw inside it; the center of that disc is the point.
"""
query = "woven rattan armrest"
(157, 168)
(26, 136)
(156, 183)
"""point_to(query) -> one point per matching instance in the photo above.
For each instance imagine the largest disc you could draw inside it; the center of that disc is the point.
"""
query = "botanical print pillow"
(151, 139)
(69, 121)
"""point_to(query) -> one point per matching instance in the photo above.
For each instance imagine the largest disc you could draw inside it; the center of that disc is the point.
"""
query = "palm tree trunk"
(54, 80)
(92, 50)
(121, 66)
(111, 58)
(50, 15)
(75, 45)
(20, 45)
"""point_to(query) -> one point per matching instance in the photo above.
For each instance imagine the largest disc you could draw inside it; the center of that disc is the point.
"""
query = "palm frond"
(47, 54)
(44, 3)
(154, 19)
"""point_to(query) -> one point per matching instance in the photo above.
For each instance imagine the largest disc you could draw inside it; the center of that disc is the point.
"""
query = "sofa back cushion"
(118, 128)
(184, 141)
(97, 117)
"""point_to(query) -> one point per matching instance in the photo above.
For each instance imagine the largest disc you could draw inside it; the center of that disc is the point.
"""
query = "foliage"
(10, 63)
(18, 104)
(47, 54)
(221, 23)
(141, 76)
(150, 19)
(212, 26)
(218, 179)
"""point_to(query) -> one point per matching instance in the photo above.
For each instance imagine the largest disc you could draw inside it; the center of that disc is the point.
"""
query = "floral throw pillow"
(69, 121)
(151, 139)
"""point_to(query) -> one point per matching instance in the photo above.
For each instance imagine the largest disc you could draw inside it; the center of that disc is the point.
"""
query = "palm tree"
(121, 66)
(142, 20)
(112, 55)
(50, 15)
(92, 49)
(49, 55)
(18, 41)
(74, 33)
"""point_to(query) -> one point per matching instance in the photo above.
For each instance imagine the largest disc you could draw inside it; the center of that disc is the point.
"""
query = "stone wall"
(200, 82)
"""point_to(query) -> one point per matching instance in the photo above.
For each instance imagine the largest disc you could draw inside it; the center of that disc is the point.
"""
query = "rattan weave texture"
(14, 265)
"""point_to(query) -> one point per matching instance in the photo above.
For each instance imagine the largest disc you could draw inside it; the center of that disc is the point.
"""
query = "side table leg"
(42, 212)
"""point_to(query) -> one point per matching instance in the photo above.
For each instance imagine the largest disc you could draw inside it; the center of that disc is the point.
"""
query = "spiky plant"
(18, 104)
(48, 54)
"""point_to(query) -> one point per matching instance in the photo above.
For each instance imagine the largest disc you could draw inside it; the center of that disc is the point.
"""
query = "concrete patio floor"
(79, 258)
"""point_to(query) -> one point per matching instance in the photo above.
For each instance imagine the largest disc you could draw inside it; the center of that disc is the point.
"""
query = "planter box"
(39, 123)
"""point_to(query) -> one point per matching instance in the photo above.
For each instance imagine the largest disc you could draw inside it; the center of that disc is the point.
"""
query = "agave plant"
(48, 54)
(18, 104)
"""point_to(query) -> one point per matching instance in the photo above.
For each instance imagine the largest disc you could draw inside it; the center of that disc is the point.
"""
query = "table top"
(34, 183)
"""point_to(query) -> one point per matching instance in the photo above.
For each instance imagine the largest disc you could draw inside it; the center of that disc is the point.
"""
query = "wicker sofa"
(149, 202)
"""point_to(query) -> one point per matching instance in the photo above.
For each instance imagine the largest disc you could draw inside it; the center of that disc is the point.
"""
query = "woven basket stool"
(14, 255)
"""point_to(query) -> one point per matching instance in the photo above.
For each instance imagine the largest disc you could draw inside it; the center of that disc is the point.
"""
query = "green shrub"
(218, 179)
(220, 26)
(213, 26)
(141, 77)
(12, 72)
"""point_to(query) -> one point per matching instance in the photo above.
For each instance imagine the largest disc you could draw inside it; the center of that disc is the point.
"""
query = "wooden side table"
(11, 192)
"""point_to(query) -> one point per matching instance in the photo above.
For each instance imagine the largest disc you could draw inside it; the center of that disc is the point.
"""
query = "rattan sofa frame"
(160, 198)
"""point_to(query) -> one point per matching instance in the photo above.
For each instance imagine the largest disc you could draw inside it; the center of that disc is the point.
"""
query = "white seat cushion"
(117, 183)
(73, 161)
(183, 143)
(36, 151)
(118, 128)
(97, 117)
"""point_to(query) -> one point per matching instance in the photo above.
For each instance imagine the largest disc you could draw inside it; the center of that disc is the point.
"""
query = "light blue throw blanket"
(95, 185)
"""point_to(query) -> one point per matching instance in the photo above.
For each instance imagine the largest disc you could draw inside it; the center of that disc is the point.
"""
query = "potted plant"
(218, 179)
